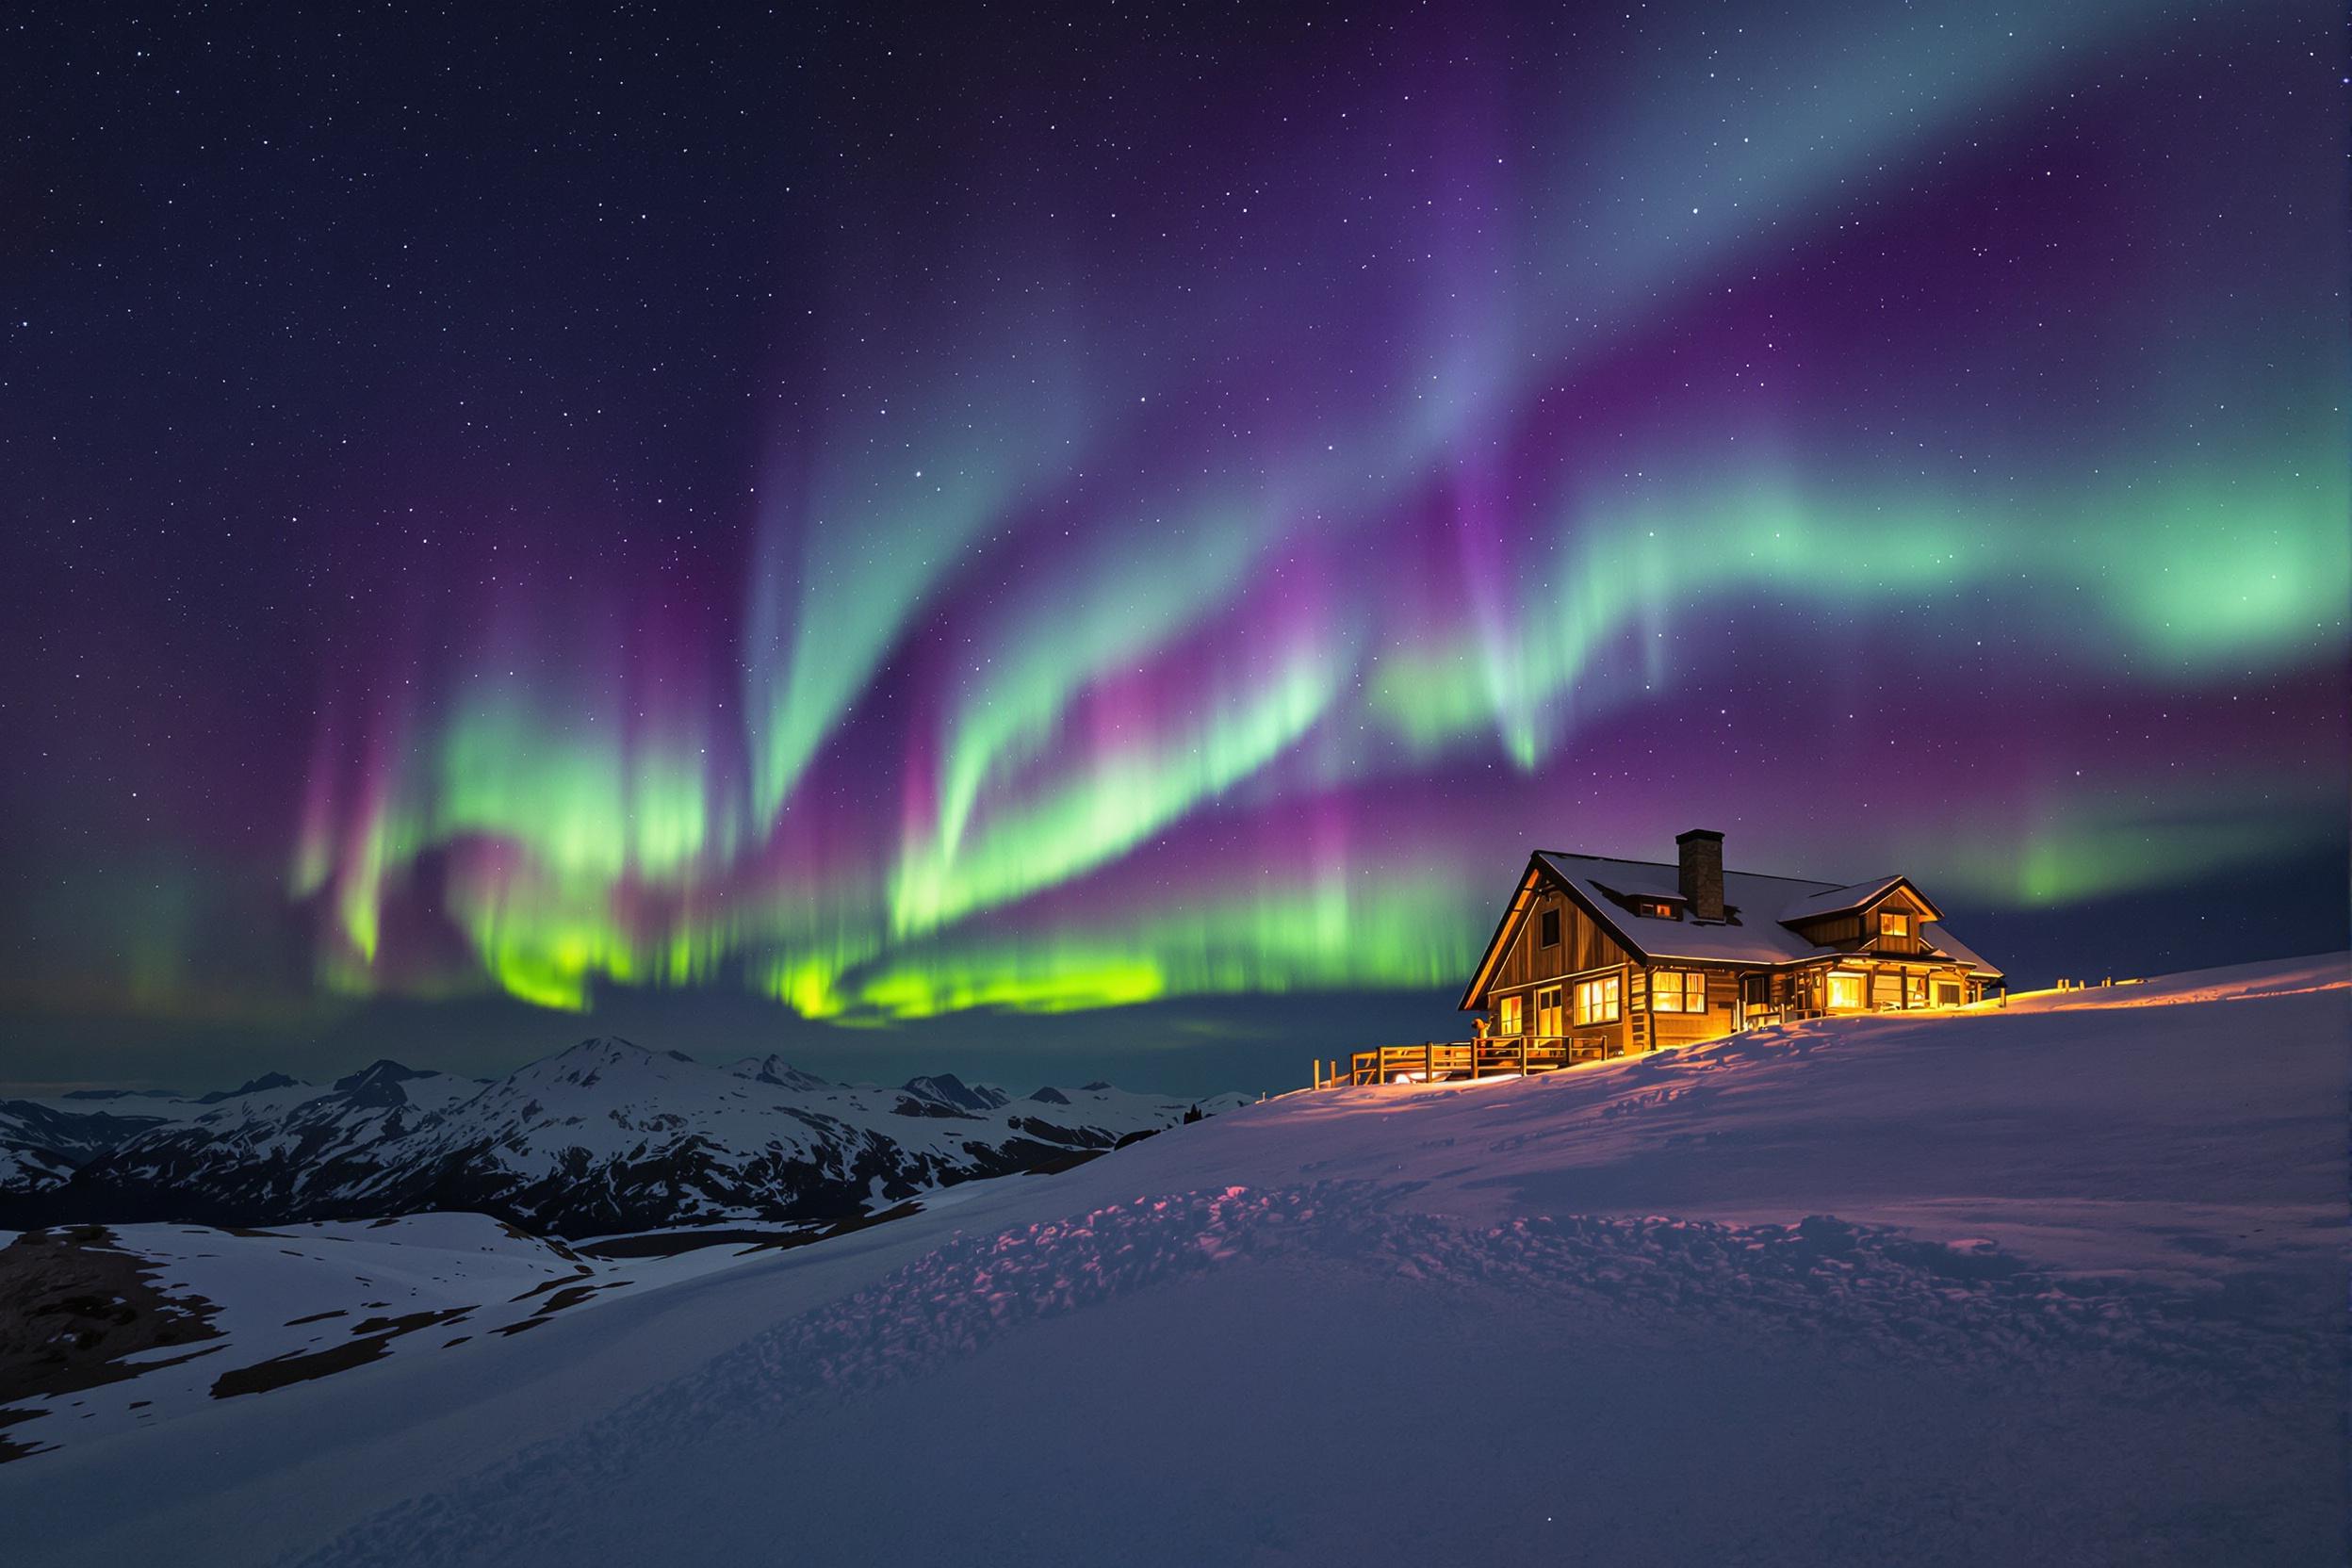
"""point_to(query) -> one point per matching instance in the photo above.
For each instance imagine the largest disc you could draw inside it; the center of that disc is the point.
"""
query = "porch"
(1459, 1061)
(1518, 1055)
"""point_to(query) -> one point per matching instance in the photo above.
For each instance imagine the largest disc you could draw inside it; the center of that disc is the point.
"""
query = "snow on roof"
(1758, 904)
(1945, 942)
(1755, 940)
(1837, 901)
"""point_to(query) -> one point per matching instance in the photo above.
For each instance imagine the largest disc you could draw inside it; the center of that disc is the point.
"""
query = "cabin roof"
(1853, 895)
(1757, 904)
(1953, 948)
(1754, 936)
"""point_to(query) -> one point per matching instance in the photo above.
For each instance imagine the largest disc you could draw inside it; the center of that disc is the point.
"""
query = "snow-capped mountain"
(961, 1099)
(43, 1142)
(603, 1137)
(776, 1070)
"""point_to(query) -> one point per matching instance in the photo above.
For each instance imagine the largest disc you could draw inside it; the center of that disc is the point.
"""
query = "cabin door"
(1755, 998)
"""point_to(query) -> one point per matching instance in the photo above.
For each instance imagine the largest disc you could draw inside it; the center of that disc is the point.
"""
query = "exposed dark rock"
(262, 1085)
(74, 1305)
(948, 1089)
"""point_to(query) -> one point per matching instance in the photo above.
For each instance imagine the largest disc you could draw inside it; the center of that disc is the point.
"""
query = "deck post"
(1429, 1061)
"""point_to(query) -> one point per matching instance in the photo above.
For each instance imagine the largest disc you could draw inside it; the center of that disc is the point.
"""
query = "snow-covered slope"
(2062, 1282)
(263, 1310)
(602, 1137)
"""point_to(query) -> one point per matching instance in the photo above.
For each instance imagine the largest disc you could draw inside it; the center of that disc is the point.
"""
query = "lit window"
(1509, 1014)
(1547, 1012)
(1893, 924)
(1845, 990)
(1677, 991)
(1551, 928)
(1597, 1000)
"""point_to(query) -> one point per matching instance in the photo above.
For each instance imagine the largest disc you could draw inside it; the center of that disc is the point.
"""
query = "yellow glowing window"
(1893, 924)
(1510, 1015)
(1677, 991)
(1548, 1010)
(1599, 1001)
(1845, 991)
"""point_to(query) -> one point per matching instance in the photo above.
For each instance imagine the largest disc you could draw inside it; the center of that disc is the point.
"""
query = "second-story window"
(1891, 924)
(1550, 925)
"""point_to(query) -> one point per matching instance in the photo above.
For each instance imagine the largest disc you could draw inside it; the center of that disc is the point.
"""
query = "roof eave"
(1539, 869)
(1866, 902)
(1488, 959)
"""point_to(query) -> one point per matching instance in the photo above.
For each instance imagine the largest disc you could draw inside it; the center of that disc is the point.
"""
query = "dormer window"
(1653, 908)
(1893, 923)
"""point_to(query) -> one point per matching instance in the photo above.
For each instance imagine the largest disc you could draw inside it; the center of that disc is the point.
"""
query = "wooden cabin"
(1602, 957)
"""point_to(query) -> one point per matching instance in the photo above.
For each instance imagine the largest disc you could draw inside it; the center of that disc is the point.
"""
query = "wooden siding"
(1526, 962)
(1833, 930)
(1902, 900)
(1857, 929)
(1612, 1035)
(1655, 1031)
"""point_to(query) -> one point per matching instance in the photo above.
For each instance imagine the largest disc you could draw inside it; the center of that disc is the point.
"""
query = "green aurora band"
(1119, 623)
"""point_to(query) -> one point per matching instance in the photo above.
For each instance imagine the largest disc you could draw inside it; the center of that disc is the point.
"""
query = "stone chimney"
(1702, 855)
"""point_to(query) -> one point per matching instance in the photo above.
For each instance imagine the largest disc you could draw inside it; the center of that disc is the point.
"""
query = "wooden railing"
(1752, 1017)
(1517, 1055)
(1458, 1061)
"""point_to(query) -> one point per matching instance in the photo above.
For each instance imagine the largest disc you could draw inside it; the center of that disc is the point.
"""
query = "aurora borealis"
(1044, 513)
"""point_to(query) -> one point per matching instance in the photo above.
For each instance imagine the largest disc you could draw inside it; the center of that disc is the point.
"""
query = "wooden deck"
(1459, 1061)
(1517, 1055)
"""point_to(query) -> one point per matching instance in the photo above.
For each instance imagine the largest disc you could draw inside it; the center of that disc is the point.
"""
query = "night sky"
(1093, 543)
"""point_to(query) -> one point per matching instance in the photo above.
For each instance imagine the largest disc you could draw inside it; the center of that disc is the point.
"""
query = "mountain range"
(605, 1137)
